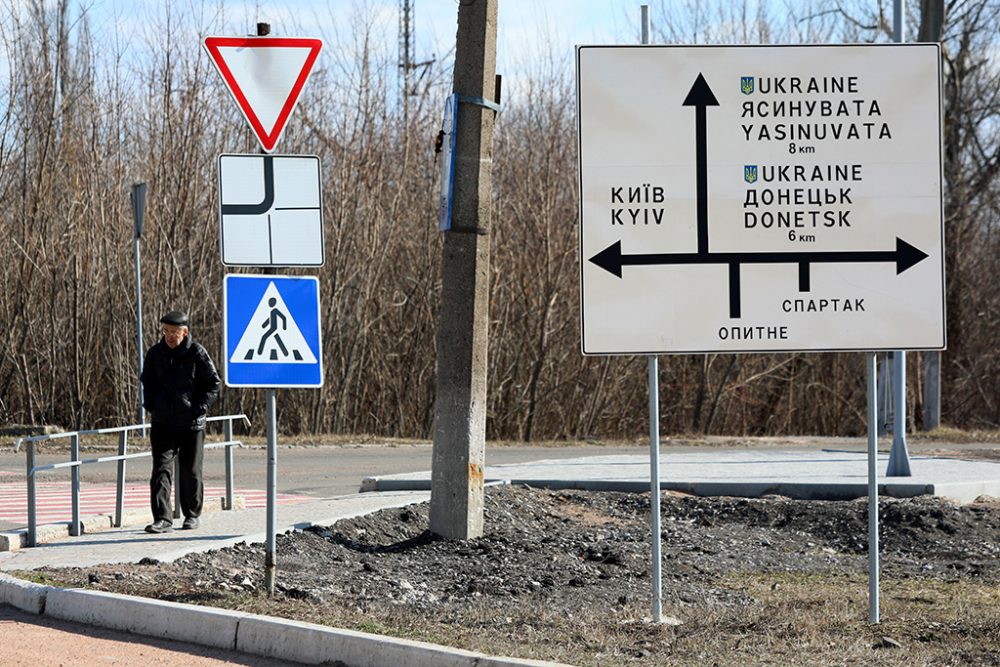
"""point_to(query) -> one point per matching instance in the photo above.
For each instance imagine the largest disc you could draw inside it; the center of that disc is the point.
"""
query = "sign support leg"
(138, 198)
(654, 488)
(899, 457)
(270, 564)
(873, 548)
(656, 574)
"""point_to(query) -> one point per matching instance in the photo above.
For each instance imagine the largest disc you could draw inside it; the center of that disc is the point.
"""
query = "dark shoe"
(190, 523)
(160, 526)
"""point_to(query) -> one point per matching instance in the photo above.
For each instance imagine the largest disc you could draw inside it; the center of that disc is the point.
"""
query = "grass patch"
(819, 619)
(956, 435)
(37, 578)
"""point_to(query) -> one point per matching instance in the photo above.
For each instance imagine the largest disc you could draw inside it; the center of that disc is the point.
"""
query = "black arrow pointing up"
(699, 97)
(612, 260)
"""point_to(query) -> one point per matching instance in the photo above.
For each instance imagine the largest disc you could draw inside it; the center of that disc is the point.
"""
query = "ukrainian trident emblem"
(746, 84)
(750, 173)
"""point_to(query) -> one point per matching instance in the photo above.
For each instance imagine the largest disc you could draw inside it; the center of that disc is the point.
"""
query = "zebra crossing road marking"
(53, 503)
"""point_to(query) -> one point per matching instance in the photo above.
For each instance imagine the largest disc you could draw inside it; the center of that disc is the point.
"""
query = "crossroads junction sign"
(760, 198)
(270, 210)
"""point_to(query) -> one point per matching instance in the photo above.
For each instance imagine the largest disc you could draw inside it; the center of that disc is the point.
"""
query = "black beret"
(176, 317)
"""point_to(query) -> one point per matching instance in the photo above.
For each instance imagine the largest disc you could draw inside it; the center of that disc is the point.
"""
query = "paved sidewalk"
(217, 530)
(797, 473)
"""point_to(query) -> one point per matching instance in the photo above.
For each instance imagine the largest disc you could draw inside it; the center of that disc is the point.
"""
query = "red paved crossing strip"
(52, 500)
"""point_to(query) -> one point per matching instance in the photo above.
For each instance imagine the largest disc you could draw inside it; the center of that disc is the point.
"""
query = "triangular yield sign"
(265, 75)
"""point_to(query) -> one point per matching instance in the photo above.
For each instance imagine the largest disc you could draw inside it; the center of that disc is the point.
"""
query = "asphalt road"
(320, 471)
(335, 470)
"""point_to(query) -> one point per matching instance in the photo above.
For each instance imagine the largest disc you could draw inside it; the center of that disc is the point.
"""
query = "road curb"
(253, 634)
(152, 618)
(25, 595)
(318, 644)
(963, 492)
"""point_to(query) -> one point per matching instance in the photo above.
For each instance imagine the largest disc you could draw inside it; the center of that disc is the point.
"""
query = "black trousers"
(190, 447)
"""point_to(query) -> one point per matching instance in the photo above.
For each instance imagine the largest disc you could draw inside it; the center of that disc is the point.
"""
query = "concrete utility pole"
(459, 455)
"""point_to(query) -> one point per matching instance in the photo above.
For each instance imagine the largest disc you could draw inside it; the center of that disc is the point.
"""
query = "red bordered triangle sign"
(265, 75)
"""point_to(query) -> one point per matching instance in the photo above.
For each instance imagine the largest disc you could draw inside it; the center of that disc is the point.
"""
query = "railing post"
(120, 490)
(32, 518)
(229, 464)
(74, 474)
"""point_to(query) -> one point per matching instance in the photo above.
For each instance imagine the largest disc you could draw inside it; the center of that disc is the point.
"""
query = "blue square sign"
(271, 332)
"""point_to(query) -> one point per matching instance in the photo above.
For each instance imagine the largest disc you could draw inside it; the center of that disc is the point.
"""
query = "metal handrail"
(114, 429)
(75, 464)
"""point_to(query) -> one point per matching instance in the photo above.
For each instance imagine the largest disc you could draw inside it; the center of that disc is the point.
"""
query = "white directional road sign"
(271, 331)
(270, 210)
(760, 198)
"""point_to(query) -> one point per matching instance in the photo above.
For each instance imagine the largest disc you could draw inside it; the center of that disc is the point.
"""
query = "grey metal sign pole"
(459, 454)
(138, 197)
(654, 488)
(899, 457)
(872, 490)
(270, 561)
(656, 574)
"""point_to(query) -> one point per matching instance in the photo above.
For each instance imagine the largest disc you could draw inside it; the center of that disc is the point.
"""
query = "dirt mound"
(565, 575)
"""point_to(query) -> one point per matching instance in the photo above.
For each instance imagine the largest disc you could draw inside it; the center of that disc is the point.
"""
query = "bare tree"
(82, 117)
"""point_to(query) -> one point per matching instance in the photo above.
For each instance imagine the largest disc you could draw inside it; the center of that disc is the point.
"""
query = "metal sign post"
(270, 549)
(656, 572)
(138, 198)
(872, 489)
(790, 191)
(271, 339)
(270, 215)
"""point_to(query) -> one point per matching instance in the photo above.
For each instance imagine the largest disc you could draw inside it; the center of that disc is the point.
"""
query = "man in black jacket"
(179, 384)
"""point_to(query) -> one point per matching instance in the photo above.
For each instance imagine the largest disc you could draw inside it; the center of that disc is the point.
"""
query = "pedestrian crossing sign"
(271, 332)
